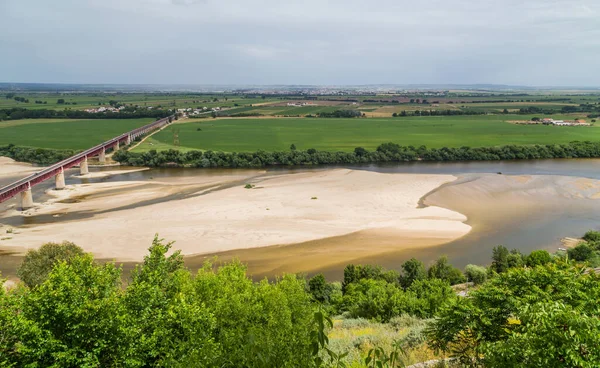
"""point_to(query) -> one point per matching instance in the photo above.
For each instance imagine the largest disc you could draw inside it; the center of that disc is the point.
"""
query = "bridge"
(57, 170)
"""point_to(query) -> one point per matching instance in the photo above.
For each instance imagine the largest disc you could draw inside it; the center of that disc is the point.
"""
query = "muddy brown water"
(530, 205)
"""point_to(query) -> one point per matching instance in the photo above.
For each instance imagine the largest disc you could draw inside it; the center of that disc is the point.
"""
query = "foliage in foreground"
(536, 310)
(546, 316)
(81, 316)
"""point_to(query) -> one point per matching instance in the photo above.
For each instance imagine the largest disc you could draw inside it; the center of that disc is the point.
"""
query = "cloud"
(534, 42)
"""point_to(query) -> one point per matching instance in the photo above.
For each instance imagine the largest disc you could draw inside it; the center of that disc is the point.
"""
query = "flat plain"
(73, 134)
(332, 134)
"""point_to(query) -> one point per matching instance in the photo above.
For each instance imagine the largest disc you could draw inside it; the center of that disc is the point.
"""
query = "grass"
(64, 133)
(358, 336)
(88, 100)
(270, 134)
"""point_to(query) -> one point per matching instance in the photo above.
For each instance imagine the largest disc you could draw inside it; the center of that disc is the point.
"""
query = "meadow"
(270, 134)
(73, 134)
(91, 100)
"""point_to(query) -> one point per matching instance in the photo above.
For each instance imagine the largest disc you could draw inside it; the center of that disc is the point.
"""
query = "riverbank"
(217, 213)
(10, 167)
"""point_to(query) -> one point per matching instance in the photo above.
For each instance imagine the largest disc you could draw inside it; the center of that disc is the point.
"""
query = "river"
(525, 205)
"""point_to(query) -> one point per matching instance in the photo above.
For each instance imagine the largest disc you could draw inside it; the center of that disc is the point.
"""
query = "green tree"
(75, 317)
(60, 101)
(500, 259)
(475, 274)
(412, 270)
(168, 326)
(538, 258)
(515, 259)
(500, 310)
(319, 288)
(37, 264)
(443, 270)
(292, 147)
(581, 253)
(548, 335)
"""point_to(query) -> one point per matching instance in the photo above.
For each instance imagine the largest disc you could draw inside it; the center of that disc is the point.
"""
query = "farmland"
(64, 133)
(277, 134)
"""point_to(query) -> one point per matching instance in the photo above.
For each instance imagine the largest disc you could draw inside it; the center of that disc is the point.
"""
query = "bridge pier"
(83, 167)
(60, 180)
(102, 155)
(128, 140)
(26, 199)
(117, 146)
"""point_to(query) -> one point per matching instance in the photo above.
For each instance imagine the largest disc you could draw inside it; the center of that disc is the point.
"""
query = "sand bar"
(222, 215)
(9, 167)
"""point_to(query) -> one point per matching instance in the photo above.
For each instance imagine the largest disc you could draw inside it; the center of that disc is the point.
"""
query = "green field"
(269, 134)
(64, 133)
(81, 101)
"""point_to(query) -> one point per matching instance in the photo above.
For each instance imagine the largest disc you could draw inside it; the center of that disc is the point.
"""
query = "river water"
(525, 205)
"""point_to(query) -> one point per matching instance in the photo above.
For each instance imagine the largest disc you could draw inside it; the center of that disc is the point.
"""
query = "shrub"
(538, 258)
(37, 264)
(582, 252)
(476, 274)
(443, 270)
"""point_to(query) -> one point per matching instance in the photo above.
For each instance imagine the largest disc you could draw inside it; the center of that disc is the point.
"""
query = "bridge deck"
(24, 184)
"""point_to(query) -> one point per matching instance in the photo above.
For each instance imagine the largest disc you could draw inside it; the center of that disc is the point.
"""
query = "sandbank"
(219, 214)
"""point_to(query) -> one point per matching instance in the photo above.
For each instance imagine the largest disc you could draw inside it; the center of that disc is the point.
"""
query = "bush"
(37, 264)
(538, 258)
(581, 253)
(443, 270)
(592, 236)
(476, 274)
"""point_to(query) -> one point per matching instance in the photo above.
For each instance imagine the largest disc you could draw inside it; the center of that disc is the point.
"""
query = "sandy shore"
(9, 167)
(218, 214)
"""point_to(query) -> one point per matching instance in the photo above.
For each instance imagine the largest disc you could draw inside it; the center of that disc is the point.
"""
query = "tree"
(475, 274)
(37, 264)
(592, 236)
(60, 101)
(443, 270)
(547, 313)
(537, 342)
(500, 259)
(515, 259)
(581, 253)
(538, 258)
(360, 151)
(168, 325)
(74, 317)
(412, 270)
(292, 147)
(319, 288)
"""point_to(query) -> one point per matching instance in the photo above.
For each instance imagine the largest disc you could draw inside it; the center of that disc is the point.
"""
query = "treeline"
(339, 114)
(39, 156)
(127, 113)
(564, 110)
(387, 152)
(438, 113)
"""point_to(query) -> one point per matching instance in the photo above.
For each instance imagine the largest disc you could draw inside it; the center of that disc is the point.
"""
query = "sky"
(317, 42)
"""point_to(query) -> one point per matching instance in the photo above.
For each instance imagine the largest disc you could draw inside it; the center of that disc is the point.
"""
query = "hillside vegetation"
(536, 310)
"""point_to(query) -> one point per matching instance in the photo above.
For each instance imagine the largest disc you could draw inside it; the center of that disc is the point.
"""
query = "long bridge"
(57, 170)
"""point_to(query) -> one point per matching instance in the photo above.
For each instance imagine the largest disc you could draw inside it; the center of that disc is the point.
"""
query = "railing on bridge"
(25, 184)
